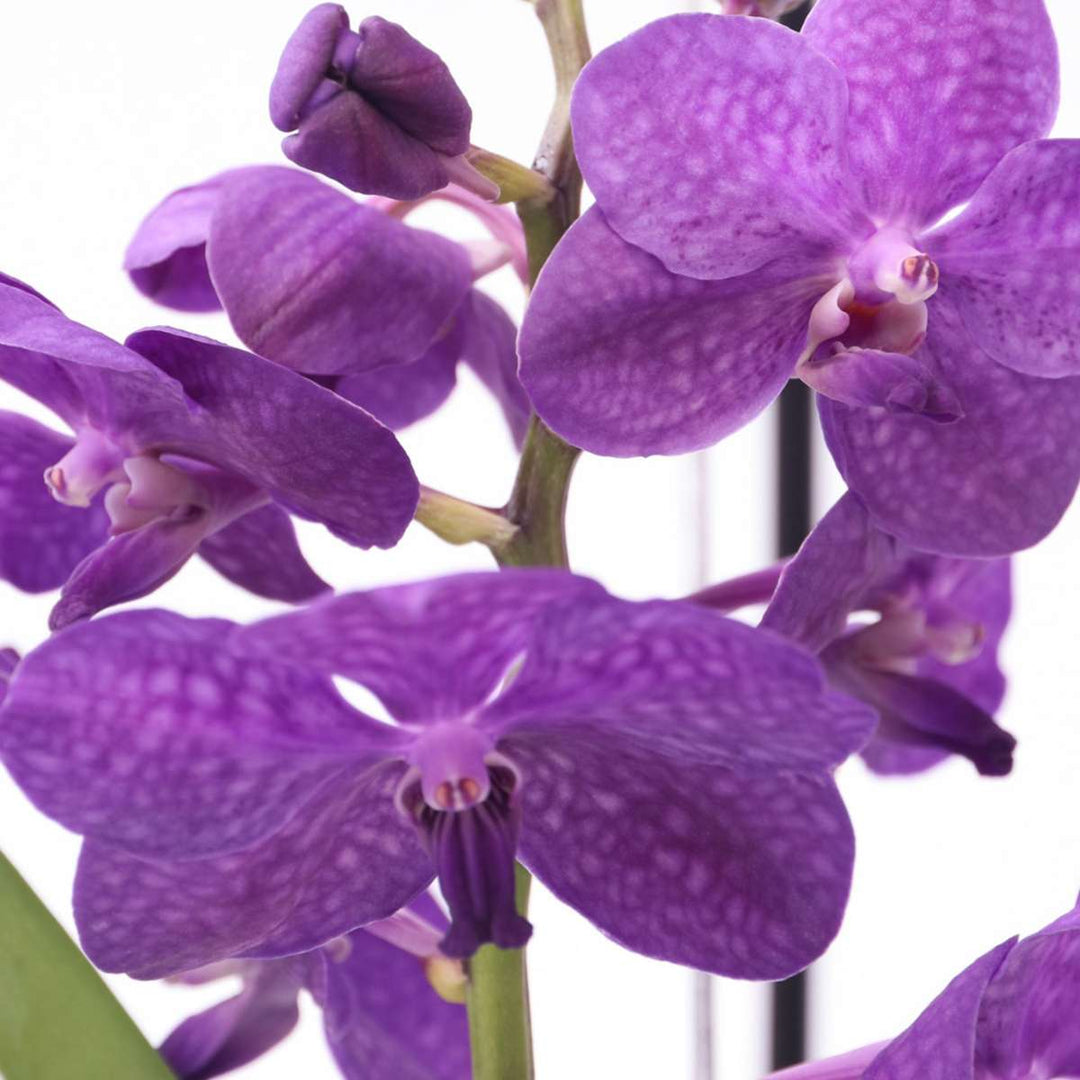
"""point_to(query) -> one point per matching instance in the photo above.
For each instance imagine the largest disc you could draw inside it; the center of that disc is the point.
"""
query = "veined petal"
(993, 482)
(684, 682)
(940, 91)
(718, 144)
(844, 557)
(318, 455)
(623, 357)
(942, 1039)
(144, 730)
(259, 553)
(41, 540)
(741, 875)
(154, 918)
(318, 282)
(1012, 259)
(430, 651)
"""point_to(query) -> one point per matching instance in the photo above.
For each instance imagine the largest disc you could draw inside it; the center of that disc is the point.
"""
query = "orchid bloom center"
(150, 490)
(461, 795)
(94, 461)
(907, 633)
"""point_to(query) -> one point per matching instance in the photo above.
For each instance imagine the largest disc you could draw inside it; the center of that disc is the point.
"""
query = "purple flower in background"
(769, 9)
(928, 666)
(1014, 1013)
(383, 1019)
(196, 446)
(379, 311)
(767, 203)
(663, 770)
(372, 108)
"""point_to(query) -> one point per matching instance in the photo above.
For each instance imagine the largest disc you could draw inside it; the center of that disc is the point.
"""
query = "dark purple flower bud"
(1014, 1012)
(371, 108)
(778, 210)
(665, 771)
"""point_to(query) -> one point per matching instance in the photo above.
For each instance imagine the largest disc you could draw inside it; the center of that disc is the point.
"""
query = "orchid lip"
(85, 469)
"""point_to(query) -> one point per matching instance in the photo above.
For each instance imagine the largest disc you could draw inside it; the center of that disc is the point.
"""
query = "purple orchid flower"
(372, 108)
(383, 1019)
(928, 666)
(665, 771)
(1014, 1013)
(344, 292)
(769, 202)
(197, 446)
(768, 9)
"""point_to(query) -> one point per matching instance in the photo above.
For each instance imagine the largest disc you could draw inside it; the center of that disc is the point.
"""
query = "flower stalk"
(497, 995)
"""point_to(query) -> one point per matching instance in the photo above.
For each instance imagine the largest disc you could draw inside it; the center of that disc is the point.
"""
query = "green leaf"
(58, 1019)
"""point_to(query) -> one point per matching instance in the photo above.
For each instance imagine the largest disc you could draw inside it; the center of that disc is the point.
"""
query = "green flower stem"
(516, 182)
(500, 1029)
(58, 1020)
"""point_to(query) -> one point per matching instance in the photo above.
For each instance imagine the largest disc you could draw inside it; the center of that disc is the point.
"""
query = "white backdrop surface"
(108, 107)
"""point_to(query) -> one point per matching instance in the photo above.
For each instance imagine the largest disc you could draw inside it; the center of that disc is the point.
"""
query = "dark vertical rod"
(793, 520)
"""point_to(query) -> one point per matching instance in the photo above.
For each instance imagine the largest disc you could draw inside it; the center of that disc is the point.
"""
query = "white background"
(109, 106)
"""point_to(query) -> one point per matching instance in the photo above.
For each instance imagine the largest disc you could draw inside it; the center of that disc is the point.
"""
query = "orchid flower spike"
(771, 203)
(372, 108)
(663, 770)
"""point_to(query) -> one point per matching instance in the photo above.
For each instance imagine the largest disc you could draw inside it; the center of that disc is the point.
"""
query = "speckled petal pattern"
(318, 455)
(151, 919)
(41, 541)
(433, 650)
(684, 681)
(738, 875)
(939, 91)
(624, 358)
(145, 731)
(385, 1022)
(823, 584)
(992, 483)
(313, 280)
(717, 144)
(259, 553)
(941, 1042)
(1012, 256)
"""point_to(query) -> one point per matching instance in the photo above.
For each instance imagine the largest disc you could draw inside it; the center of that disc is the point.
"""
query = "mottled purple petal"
(921, 721)
(1011, 260)
(238, 1030)
(318, 455)
(411, 85)
(1029, 1023)
(15, 283)
(994, 482)
(840, 560)
(128, 566)
(84, 376)
(259, 553)
(430, 651)
(941, 1042)
(684, 681)
(983, 594)
(166, 258)
(145, 731)
(622, 357)
(313, 280)
(940, 91)
(401, 394)
(717, 145)
(41, 540)
(490, 349)
(741, 875)
(385, 1022)
(151, 919)
(304, 62)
